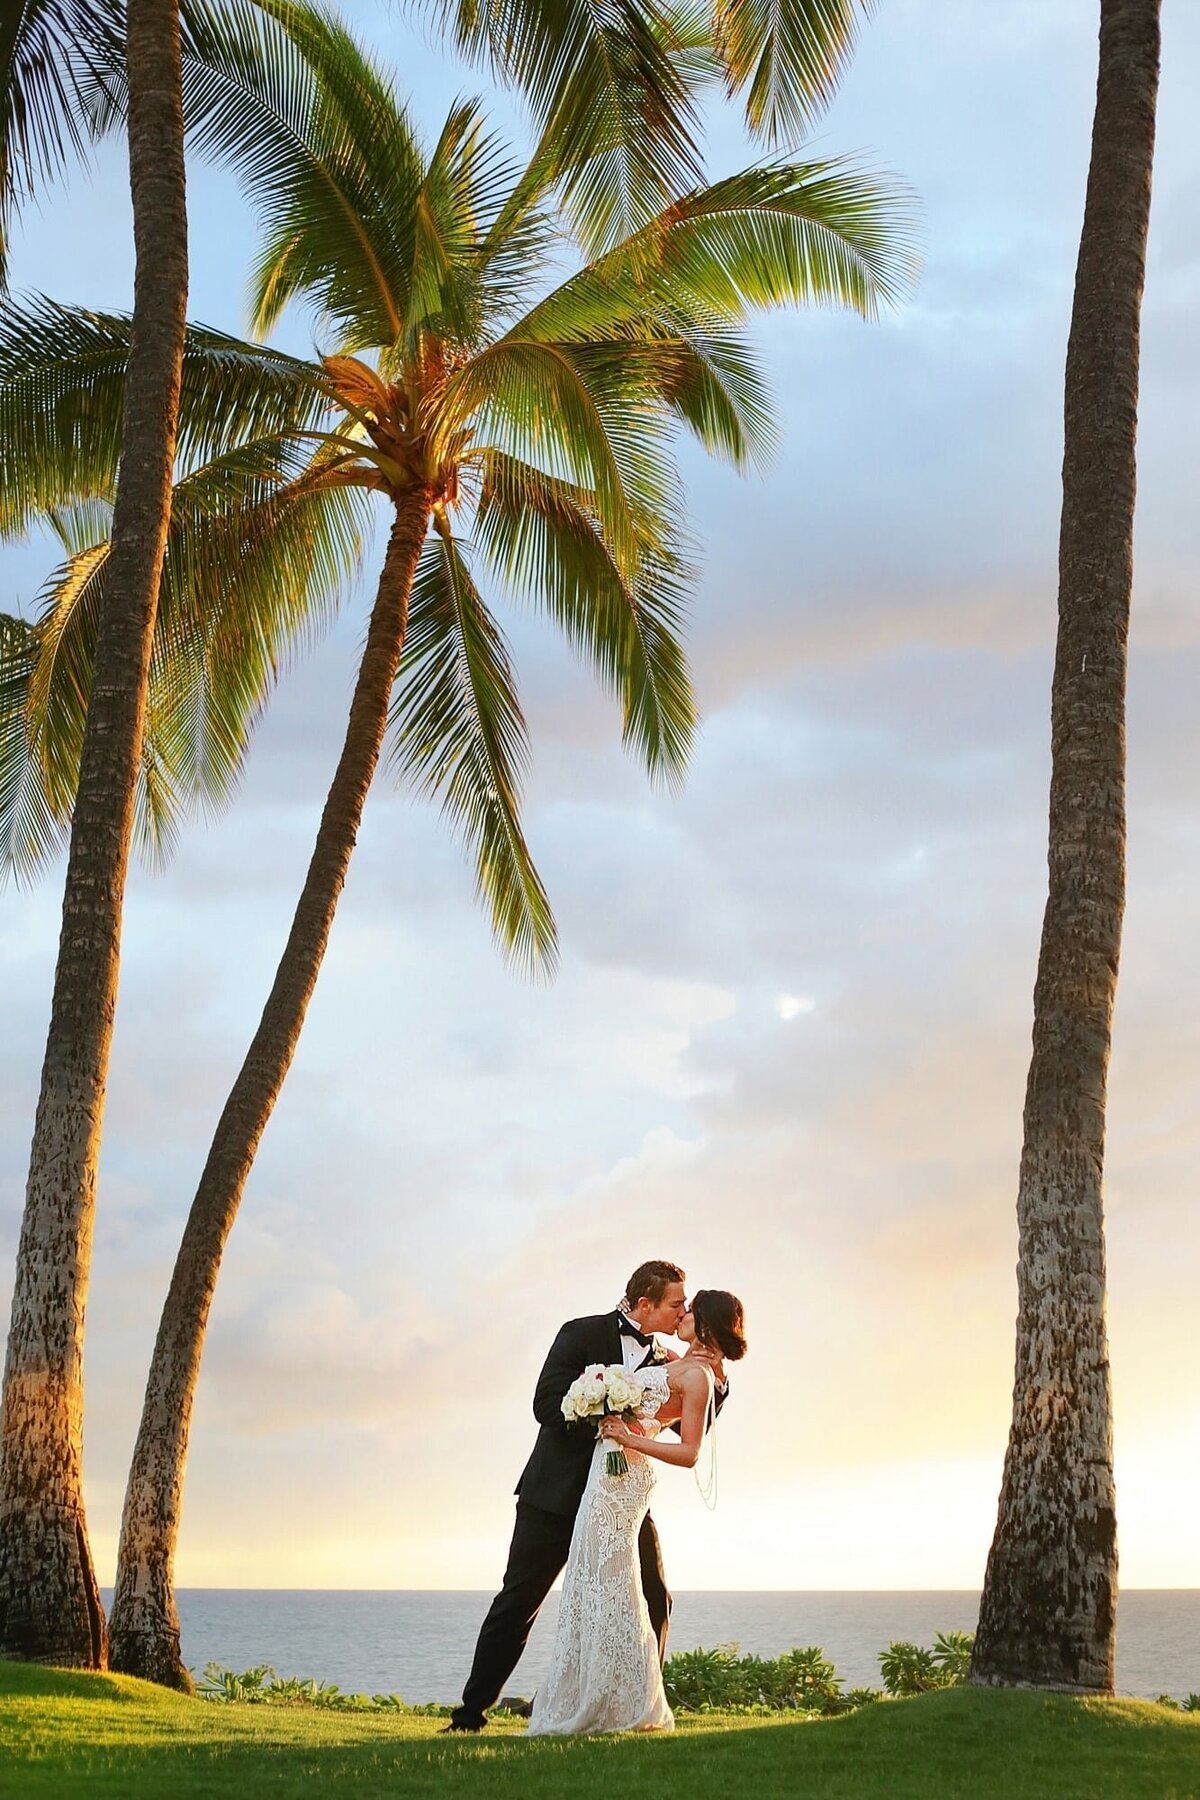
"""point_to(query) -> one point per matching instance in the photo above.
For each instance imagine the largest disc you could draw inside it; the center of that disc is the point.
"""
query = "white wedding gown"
(604, 1670)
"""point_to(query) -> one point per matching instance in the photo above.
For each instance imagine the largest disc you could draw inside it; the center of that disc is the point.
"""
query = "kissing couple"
(584, 1509)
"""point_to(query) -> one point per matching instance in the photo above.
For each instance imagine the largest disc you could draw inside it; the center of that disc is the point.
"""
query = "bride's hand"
(616, 1431)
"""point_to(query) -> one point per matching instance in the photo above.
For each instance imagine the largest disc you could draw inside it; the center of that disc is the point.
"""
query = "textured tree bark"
(145, 1624)
(49, 1602)
(1048, 1613)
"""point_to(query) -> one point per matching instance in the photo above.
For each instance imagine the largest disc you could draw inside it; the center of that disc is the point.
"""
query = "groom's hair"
(650, 1281)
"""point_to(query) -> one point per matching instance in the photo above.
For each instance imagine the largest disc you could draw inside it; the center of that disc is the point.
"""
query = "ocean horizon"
(418, 1642)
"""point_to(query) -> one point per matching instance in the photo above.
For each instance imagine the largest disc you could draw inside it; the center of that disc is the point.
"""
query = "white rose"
(586, 1393)
(623, 1392)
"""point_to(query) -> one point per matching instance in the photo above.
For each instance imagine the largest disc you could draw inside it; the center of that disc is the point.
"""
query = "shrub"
(701, 1680)
(856, 1697)
(802, 1680)
(263, 1687)
(952, 1654)
(908, 1669)
(718, 1680)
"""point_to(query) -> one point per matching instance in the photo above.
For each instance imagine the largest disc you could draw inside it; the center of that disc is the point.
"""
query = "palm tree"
(1048, 1614)
(546, 424)
(49, 1603)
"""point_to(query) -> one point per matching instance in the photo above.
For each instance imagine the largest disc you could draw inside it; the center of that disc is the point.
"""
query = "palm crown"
(531, 428)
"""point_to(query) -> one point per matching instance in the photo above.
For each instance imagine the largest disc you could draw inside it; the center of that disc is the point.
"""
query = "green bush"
(856, 1697)
(696, 1681)
(805, 1680)
(802, 1680)
(908, 1669)
(263, 1687)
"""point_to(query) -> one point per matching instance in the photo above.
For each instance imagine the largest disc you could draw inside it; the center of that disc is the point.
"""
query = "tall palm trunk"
(145, 1624)
(1048, 1614)
(49, 1603)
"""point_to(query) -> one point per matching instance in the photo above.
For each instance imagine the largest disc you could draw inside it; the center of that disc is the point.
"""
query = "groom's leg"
(539, 1549)
(654, 1584)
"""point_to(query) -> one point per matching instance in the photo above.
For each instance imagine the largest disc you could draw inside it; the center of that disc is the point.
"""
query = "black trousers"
(535, 1560)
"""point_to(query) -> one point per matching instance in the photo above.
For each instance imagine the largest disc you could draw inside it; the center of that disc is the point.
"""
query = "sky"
(788, 1041)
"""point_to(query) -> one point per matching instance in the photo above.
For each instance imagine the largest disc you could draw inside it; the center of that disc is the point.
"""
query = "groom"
(551, 1486)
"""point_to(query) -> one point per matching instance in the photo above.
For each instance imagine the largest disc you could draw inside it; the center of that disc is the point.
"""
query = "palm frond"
(81, 523)
(800, 234)
(459, 733)
(545, 539)
(460, 265)
(60, 681)
(62, 393)
(607, 87)
(260, 548)
(788, 56)
(824, 234)
(50, 52)
(280, 92)
(55, 718)
(587, 411)
(160, 807)
(30, 831)
(520, 241)
(62, 389)
(645, 376)
(711, 381)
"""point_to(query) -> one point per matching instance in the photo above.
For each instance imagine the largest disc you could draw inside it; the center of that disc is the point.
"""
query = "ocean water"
(419, 1644)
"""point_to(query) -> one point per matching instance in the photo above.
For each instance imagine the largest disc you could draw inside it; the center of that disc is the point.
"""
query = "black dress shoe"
(462, 1725)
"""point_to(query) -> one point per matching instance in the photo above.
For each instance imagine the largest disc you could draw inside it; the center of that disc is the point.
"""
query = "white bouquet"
(600, 1391)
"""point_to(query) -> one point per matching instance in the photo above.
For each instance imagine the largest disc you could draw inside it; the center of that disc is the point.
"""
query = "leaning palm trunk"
(1048, 1614)
(49, 1603)
(145, 1624)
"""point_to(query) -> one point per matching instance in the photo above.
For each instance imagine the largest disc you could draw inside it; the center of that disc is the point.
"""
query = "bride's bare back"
(687, 1375)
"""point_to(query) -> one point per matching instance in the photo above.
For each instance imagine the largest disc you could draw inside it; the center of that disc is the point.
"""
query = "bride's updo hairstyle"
(720, 1323)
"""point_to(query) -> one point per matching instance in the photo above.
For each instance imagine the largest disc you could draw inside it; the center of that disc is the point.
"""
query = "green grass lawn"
(104, 1736)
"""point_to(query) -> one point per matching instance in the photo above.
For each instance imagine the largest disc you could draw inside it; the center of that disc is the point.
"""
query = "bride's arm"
(691, 1428)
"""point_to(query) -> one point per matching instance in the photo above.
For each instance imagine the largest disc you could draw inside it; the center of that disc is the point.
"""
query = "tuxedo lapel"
(612, 1353)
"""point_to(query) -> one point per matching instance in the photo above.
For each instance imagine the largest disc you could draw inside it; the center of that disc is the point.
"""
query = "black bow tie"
(626, 1325)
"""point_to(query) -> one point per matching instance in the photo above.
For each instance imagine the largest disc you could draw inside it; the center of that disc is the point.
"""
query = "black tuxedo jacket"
(556, 1473)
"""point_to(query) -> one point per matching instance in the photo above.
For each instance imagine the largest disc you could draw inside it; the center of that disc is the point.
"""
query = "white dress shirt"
(633, 1354)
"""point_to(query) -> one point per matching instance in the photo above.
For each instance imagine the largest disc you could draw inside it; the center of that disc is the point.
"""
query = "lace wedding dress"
(604, 1670)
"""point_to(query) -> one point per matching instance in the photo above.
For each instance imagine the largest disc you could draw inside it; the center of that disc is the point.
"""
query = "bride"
(604, 1669)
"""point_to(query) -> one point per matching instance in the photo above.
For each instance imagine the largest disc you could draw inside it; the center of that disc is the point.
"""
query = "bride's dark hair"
(720, 1323)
